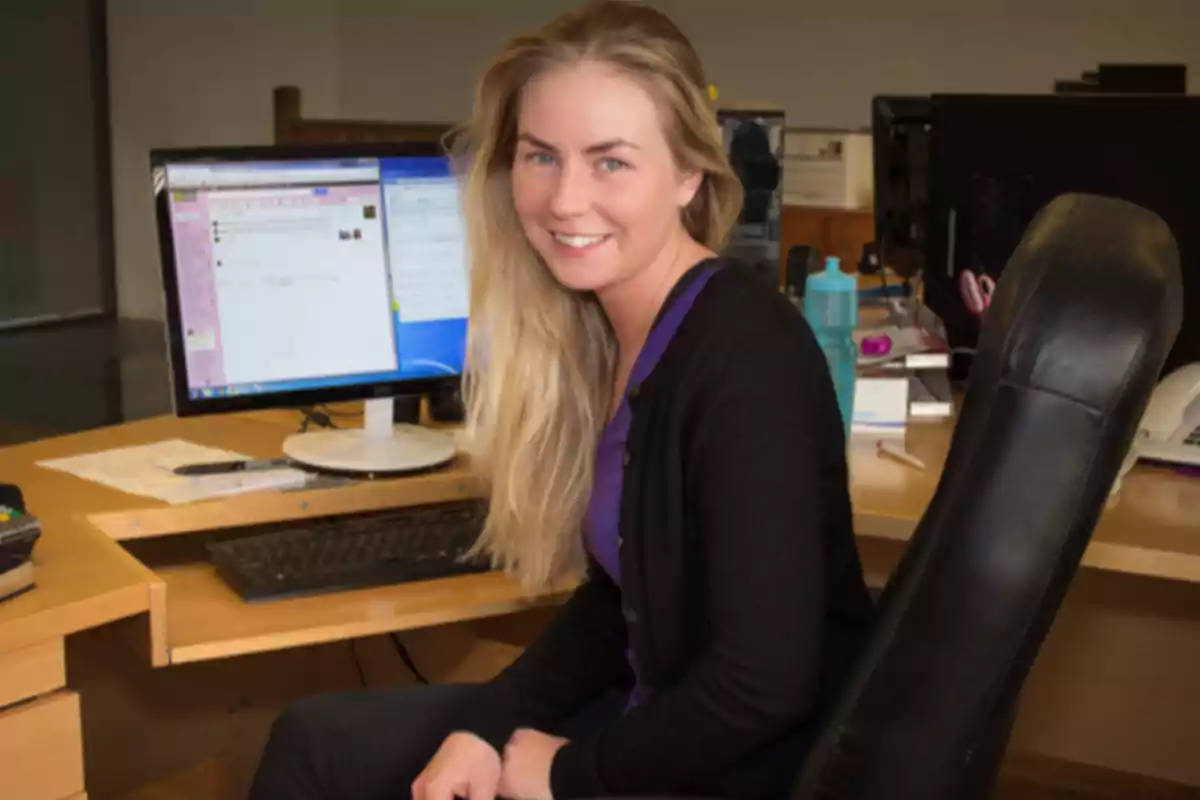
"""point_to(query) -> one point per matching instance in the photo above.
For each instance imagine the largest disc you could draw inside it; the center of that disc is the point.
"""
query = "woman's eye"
(611, 164)
(539, 157)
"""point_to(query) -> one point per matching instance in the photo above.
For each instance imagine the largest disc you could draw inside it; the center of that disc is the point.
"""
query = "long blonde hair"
(540, 358)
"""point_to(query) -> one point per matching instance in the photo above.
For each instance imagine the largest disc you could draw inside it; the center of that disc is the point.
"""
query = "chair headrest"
(1118, 255)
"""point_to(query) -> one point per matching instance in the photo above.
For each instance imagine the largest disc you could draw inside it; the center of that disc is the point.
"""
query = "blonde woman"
(642, 410)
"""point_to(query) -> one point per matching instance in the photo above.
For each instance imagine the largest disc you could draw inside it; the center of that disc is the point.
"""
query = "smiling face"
(594, 183)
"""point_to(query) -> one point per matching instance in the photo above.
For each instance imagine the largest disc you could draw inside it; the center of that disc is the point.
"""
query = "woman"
(642, 410)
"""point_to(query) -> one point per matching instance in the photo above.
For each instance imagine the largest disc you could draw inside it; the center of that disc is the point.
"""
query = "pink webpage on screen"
(234, 246)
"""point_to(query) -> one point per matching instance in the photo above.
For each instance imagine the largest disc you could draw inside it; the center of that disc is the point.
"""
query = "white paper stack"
(880, 407)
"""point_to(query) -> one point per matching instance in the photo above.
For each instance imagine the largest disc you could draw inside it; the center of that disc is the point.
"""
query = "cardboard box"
(828, 168)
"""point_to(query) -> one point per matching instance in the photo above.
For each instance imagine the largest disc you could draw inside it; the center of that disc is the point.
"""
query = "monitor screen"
(306, 277)
(996, 160)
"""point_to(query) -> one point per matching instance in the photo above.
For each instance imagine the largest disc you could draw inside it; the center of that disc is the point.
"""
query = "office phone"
(1170, 427)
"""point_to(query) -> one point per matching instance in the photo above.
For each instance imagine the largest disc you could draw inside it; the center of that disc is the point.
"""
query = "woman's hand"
(527, 759)
(465, 766)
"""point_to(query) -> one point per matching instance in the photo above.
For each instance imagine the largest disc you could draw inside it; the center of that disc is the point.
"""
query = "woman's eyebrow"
(595, 149)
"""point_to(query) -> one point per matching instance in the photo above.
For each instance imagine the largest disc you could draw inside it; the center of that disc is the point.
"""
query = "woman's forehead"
(579, 106)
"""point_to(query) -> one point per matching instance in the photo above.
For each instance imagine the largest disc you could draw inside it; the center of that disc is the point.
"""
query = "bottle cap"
(832, 279)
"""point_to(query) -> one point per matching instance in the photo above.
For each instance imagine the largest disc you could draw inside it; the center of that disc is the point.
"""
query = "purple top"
(601, 528)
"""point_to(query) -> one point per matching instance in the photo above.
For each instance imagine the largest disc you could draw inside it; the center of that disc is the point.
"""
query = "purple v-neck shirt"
(601, 528)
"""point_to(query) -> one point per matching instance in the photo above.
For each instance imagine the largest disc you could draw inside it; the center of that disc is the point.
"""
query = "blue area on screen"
(432, 348)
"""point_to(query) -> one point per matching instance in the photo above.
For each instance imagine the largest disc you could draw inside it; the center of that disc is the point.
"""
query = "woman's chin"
(577, 277)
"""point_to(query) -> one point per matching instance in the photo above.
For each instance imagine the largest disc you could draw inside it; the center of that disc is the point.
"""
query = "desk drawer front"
(41, 748)
(30, 671)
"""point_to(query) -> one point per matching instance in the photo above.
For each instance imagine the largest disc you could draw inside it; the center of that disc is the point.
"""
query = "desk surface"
(83, 578)
(1152, 527)
(86, 577)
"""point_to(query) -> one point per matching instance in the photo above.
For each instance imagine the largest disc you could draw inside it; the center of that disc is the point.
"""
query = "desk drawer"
(41, 748)
(31, 671)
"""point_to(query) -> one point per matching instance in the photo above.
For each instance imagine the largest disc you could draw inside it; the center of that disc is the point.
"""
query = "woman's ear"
(689, 184)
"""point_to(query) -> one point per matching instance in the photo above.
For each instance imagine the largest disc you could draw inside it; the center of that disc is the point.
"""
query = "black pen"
(223, 467)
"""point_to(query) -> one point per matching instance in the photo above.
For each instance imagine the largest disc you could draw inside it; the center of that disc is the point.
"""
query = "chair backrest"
(1071, 349)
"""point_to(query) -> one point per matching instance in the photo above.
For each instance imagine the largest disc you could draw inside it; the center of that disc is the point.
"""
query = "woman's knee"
(299, 729)
(321, 734)
(290, 766)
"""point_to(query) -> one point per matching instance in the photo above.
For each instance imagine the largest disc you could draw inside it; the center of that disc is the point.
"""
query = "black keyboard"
(328, 554)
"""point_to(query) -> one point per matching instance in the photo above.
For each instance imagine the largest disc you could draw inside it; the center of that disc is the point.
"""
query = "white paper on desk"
(880, 406)
(147, 470)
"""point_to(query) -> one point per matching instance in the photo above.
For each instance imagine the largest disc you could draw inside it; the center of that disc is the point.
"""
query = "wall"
(184, 76)
(199, 72)
(823, 63)
(421, 65)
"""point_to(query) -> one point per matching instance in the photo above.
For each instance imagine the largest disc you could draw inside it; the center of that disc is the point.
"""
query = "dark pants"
(370, 743)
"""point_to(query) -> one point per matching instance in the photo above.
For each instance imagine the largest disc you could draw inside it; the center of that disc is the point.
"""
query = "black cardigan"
(742, 595)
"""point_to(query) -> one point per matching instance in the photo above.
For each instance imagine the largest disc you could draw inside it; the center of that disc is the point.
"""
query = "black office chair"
(1072, 346)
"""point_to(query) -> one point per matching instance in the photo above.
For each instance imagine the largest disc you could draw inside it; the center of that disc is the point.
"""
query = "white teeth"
(578, 241)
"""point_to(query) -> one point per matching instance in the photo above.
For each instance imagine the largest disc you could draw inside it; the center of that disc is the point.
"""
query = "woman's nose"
(572, 193)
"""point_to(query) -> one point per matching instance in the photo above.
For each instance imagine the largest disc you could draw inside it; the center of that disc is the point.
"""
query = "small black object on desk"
(224, 467)
(19, 530)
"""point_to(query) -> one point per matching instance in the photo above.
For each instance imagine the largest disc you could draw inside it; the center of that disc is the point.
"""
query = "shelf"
(197, 617)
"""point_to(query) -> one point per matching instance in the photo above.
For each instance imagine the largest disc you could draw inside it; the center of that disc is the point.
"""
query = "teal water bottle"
(831, 308)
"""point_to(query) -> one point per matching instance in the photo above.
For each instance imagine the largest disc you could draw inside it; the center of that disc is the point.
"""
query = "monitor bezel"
(183, 404)
(888, 110)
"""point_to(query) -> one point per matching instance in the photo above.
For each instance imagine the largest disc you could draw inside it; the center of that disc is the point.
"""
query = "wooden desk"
(83, 580)
(1151, 528)
(1121, 658)
(193, 615)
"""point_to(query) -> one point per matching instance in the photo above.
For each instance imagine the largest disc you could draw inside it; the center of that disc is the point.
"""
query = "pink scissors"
(976, 291)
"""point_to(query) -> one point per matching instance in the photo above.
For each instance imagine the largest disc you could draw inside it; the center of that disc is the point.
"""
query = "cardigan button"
(634, 391)
(626, 457)
(630, 615)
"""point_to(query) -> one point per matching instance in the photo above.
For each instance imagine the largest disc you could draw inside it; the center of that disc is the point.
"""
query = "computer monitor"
(900, 133)
(299, 276)
(996, 160)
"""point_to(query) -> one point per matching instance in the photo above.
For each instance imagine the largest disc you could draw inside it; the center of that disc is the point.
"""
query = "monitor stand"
(379, 446)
